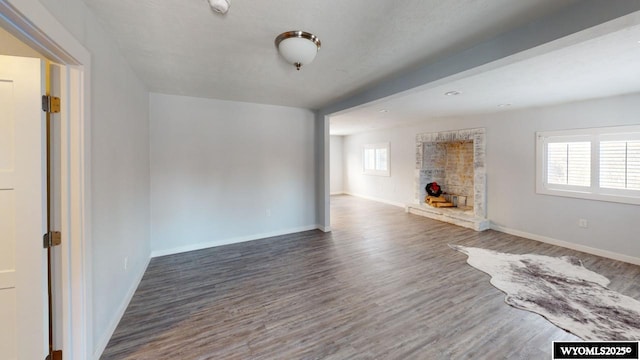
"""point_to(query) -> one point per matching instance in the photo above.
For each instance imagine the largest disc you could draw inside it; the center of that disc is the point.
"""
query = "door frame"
(34, 25)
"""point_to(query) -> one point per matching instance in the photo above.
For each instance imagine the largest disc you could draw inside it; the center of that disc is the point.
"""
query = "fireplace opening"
(450, 165)
(455, 158)
(455, 161)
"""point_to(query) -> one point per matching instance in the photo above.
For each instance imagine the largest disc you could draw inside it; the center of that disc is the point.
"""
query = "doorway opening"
(29, 30)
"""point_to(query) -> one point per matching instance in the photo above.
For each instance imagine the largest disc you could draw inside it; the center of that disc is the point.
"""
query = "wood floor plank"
(382, 285)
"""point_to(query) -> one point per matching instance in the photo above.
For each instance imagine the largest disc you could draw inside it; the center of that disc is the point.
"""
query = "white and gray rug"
(562, 290)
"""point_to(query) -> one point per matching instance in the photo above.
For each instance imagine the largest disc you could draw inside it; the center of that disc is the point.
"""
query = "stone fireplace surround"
(430, 168)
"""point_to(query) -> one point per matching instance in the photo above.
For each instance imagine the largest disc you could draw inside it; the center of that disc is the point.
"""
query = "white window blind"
(369, 159)
(620, 164)
(381, 159)
(597, 163)
(375, 159)
(569, 163)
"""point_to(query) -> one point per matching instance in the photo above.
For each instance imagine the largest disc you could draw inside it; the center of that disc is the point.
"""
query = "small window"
(598, 163)
(376, 159)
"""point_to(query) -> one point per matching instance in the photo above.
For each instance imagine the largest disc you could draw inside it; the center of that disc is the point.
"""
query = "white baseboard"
(380, 200)
(324, 228)
(568, 245)
(102, 344)
(206, 245)
(337, 193)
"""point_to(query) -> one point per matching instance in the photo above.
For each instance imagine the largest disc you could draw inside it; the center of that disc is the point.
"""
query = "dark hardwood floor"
(382, 285)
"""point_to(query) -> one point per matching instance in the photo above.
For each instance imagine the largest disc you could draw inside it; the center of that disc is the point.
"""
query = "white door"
(23, 281)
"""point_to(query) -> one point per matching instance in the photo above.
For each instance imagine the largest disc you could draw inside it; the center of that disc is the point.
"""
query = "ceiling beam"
(561, 29)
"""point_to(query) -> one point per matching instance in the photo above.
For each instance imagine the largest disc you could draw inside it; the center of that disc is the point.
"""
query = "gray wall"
(223, 172)
(336, 169)
(512, 200)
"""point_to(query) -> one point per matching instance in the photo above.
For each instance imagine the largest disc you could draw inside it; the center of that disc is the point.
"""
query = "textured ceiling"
(182, 47)
(604, 65)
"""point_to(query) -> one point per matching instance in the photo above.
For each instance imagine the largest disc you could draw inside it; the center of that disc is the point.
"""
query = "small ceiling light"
(298, 47)
(452, 93)
(504, 105)
(219, 6)
(383, 111)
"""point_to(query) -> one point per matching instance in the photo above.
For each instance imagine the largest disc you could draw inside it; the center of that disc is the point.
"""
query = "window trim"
(594, 191)
(384, 145)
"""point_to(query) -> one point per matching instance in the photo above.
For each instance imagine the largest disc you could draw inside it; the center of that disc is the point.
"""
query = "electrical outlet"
(583, 223)
(126, 263)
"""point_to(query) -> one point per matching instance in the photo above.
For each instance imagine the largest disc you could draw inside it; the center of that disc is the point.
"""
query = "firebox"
(455, 160)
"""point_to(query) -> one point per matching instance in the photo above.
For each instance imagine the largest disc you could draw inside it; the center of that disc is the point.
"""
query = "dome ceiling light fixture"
(298, 47)
(219, 6)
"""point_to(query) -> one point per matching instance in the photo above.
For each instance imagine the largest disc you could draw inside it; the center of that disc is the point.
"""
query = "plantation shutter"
(381, 159)
(620, 164)
(569, 163)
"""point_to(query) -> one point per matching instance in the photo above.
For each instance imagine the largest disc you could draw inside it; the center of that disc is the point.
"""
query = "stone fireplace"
(456, 161)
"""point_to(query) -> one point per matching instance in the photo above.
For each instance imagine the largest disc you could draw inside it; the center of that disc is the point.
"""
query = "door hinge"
(50, 104)
(55, 355)
(51, 239)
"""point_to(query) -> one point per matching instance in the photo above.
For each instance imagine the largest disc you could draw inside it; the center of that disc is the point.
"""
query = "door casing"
(32, 23)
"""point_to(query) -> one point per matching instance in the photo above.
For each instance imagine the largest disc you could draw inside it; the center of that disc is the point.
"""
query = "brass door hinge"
(51, 239)
(55, 355)
(50, 104)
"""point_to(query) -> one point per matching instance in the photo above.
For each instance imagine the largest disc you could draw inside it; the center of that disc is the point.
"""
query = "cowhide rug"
(563, 291)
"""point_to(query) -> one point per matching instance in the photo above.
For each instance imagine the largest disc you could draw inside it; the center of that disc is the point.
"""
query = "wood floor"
(382, 285)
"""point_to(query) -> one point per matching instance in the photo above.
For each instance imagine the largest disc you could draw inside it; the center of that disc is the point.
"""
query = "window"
(375, 159)
(599, 163)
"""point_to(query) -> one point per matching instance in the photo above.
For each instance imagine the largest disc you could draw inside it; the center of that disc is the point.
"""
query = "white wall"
(119, 170)
(336, 168)
(224, 172)
(389, 189)
(512, 201)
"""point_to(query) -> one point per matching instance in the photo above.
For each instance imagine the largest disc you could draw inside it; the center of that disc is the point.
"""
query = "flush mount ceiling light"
(298, 47)
(452, 93)
(219, 6)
